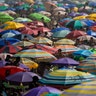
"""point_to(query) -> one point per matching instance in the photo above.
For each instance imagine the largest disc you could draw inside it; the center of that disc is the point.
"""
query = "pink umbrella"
(44, 29)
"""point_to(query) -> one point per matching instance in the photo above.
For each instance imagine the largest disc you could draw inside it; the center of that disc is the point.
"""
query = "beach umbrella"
(93, 28)
(29, 63)
(22, 77)
(86, 37)
(21, 36)
(3, 8)
(84, 89)
(41, 40)
(38, 16)
(8, 35)
(75, 24)
(23, 44)
(93, 50)
(59, 9)
(43, 29)
(12, 25)
(29, 1)
(92, 33)
(87, 66)
(91, 16)
(61, 13)
(10, 69)
(9, 12)
(46, 48)
(45, 13)
(22, 20)
(5, 17)
(65, 62)
(79, 17)
(67, 48)
(66, 77)
(84, 53)
(92, 4)
(85, 47)
(36, 54)
(3, 42)
(75, 34)
(64, 42)
(10, 31)
(42, 91)
(50, 6)
(10, 49)
(91, 57)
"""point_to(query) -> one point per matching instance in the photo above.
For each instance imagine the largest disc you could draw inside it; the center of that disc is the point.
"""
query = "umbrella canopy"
(10, 49)
(23, 44)
(88, 66)
(22, 20)
(79, 17)
(74, 24)
(22, 77)
(41, 40)
(85, 47)
(5, 18)
(59, 9)
(29, 63)
(42, 91)
(93, 28)
(46, 48)
(8, 35)
(67, 48)
(84, 53)
(45, 13)
(38, 16)
(64, 42)
(66, 77)
(12, 25)
(65, 61)
(75, 34)
(84, 89)
(9, 70)
(36, 54)
(92, 33)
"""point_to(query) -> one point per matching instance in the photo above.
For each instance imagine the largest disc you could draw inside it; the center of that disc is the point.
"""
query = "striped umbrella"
(84, 89)
(67, 48)
(10, 49)
(66, 77)
(39, 55)
(41, 40)
(64, 42)
(88, 66)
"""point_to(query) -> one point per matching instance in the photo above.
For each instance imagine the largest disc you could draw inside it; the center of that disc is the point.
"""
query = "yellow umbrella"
(29, 63)
(29, 1)
(79, 17)
(91, 16)
(64, 42)
(13, 25)
(75, 9)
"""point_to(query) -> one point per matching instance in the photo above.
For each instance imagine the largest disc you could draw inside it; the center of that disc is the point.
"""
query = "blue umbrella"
(10, 40)
(92, 4)
(10, 31)
(92, 33)
(84, 53)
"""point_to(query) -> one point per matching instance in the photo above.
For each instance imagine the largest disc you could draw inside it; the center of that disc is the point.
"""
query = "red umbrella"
(9, 70)
(38, 23)
(75, 34)
(44, 29)
(10, 49)
(44, 47)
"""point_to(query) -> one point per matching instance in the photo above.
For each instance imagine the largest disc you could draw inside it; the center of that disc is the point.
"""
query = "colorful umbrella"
(5, 17)
(46, 48)
(74, 24)
(38, 16)
(10, 70)
(66, 77)
(93, 28)
(22, 77)
(42, 91)
(85, 47)
(65, 61)
(92, 33)
(84, 89)
(8, 35)
(67, 48)
(79, 17)
(41, 40)
(64, 42)
(12, 25)
(23, 44)
(45, 13)
(10, 49)
(84, 53)
(75, 34)
(29, 63)
(36, 54)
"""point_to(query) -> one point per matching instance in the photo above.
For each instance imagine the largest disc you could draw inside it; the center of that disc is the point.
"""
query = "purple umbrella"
(40, 91)
(22, 77)
(2, 63)
(65, 61)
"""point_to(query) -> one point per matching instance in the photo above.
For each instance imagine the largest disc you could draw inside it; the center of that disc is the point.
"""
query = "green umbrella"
(52, 94)
(93, 50)
(25, 6)
(3, 8)
(5, 17)
(39, 17)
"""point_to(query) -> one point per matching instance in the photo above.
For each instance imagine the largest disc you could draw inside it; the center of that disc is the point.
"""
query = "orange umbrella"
(93, 28)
